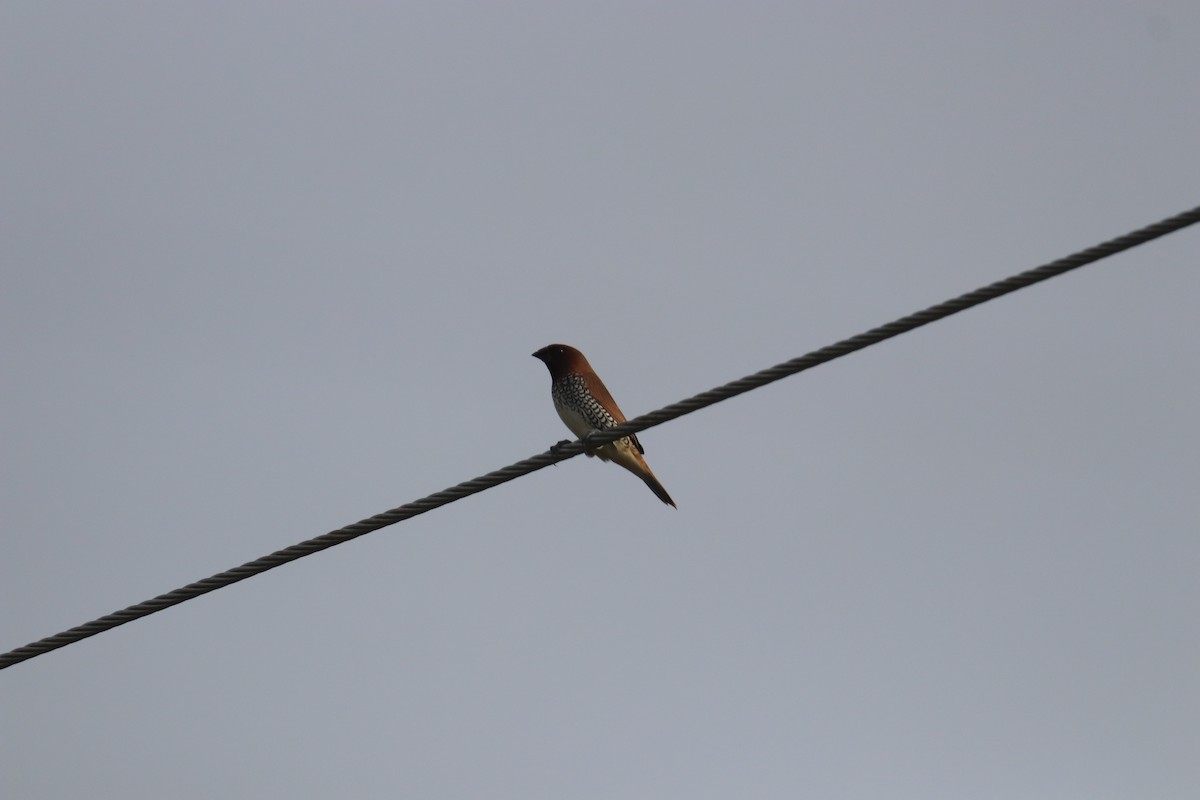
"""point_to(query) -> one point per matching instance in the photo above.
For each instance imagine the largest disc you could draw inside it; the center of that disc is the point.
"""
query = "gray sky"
(272, 268)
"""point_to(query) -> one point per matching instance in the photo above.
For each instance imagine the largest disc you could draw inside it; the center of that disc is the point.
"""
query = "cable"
(666, 414)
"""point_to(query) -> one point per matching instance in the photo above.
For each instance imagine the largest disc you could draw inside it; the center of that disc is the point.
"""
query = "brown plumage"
(583, 402)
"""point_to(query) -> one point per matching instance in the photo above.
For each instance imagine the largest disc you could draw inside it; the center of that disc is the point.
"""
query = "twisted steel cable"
(572, 449)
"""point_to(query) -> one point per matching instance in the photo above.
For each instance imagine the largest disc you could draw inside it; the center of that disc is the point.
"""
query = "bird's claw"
(558, 446)
(590, 446)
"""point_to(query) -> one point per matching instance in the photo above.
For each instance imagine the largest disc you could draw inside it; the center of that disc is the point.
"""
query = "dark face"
(561, 359)
(554, 353)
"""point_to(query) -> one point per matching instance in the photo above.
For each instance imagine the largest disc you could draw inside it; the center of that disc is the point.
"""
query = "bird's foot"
(588, 442)
(558, 446)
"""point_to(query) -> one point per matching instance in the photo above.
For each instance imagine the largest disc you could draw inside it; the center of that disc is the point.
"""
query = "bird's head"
(562, 359)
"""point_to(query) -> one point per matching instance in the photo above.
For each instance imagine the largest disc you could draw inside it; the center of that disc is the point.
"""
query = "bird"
(585, 405)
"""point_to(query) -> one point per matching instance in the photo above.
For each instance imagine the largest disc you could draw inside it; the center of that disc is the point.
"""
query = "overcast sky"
(269, 268)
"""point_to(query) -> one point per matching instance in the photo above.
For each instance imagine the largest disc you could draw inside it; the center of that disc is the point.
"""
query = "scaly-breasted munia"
(585, 405)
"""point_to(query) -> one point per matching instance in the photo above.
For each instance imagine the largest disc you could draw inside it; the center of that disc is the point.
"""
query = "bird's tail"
(628, 456)
(657, 488)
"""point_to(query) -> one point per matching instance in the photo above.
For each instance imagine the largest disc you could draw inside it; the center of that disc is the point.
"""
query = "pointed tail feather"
(631, 459)
(658, 489)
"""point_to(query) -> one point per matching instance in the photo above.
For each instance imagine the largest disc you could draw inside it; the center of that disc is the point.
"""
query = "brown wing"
(600, 392)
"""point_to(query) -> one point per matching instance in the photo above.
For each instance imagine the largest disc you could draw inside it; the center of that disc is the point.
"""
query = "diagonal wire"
(666, 414)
